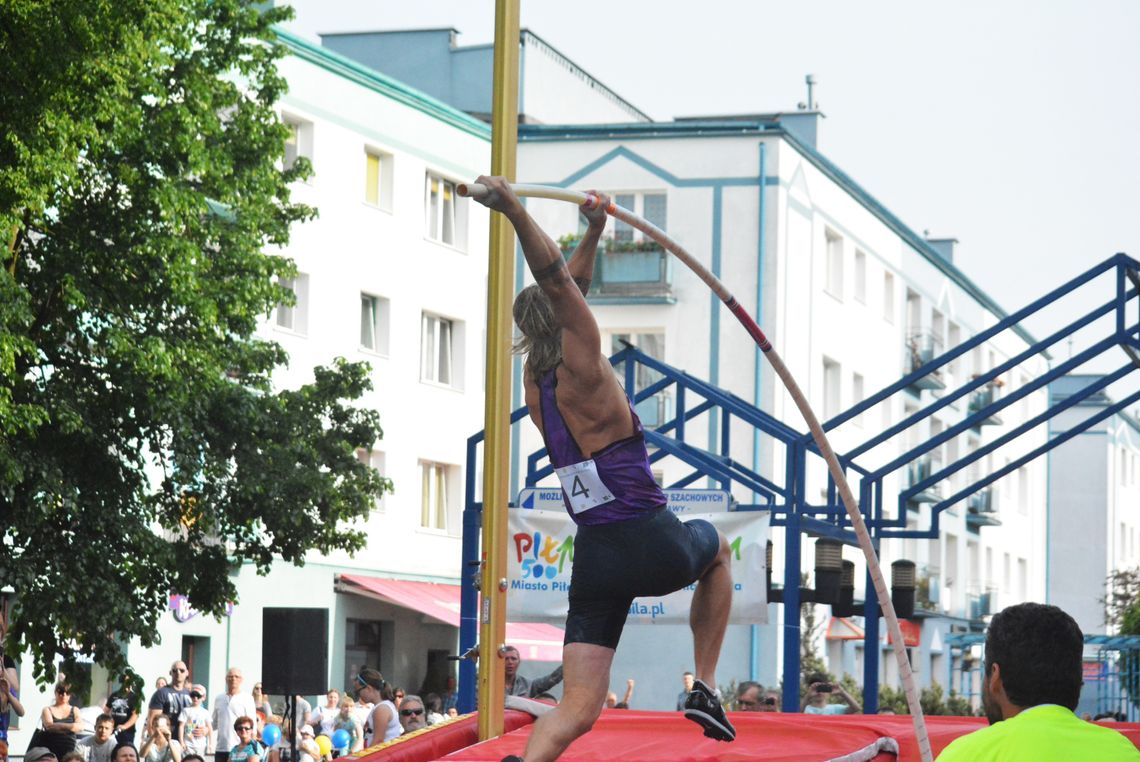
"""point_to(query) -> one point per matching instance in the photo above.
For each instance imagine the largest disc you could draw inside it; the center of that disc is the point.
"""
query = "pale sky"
(1013, 126)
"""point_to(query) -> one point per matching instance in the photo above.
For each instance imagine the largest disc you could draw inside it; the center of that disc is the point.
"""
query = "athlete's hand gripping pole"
(475, 190)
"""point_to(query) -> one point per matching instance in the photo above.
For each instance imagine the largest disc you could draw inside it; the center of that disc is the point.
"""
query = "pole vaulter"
(475, 190)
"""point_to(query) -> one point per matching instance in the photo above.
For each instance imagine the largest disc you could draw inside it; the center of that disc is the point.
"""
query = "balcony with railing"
(929, 589)
(921, 348)
(981, 604)
(981, 399)
(629, 272)
(982, 509)
(918, 470)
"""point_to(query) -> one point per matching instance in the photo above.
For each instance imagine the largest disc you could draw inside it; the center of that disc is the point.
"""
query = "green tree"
(1122, 613)
(143, 447)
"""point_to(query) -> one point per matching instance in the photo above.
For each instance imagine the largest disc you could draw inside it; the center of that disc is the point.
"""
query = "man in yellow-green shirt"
(1030, 687)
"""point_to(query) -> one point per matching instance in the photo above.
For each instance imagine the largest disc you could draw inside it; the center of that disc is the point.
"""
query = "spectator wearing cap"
(40, 754)
(307, 747)
(98, 747)
(413, 716)
(194, 727)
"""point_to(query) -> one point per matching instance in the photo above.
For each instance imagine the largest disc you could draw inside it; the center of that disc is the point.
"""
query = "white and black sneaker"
(703, 707)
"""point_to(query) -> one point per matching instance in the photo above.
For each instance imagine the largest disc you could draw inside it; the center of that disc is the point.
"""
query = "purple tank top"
(615, 485)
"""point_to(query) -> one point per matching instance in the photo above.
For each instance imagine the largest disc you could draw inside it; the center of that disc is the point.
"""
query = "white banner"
(540, 552)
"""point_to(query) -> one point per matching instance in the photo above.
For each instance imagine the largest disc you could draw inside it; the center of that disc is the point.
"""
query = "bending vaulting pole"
(475, 190)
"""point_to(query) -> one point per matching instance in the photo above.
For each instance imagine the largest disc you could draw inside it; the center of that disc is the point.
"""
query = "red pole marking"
(749, 324)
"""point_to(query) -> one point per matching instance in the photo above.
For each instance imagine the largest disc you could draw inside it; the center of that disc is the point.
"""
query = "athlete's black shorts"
(614, 563)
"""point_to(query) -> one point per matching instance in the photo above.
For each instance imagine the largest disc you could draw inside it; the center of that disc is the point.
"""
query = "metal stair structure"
(1112, 326)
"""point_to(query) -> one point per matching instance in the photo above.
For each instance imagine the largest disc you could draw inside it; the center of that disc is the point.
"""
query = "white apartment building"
(1093, 504)
(849, 296)
(392, 272)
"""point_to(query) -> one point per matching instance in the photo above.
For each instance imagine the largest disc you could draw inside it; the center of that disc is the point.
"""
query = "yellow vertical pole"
(496, 452)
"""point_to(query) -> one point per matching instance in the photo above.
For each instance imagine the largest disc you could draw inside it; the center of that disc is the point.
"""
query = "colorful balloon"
(325, 745)
(270, 735)
(341, 739)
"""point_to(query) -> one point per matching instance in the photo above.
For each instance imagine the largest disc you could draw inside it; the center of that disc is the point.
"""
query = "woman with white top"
(384, 722)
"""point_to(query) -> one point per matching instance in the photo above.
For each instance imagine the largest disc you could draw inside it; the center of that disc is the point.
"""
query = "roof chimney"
(944, 246)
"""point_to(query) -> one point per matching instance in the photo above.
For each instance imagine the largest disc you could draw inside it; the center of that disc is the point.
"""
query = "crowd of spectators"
(179, 724)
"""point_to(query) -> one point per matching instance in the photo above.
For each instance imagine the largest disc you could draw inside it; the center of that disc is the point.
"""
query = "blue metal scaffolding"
(785, 496)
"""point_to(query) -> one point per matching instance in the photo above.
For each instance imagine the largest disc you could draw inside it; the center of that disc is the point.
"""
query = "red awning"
(536, 642)
(842, 628)
(911, 632)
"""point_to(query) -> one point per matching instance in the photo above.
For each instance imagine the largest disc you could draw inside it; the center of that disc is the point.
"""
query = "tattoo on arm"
(550, 271)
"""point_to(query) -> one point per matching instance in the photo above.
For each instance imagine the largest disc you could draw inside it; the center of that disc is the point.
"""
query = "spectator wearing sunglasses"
(248, 748)
(413, 716)
(195, 728)
(60, 721)
(171, 699)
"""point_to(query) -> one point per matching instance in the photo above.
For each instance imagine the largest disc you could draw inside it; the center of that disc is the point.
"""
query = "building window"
(953, 339)
(299, 141)
(374, 321)
(860, 276)
(857, 395)
(1023, 491)
(441, 350)
(830, 388)
(656, 410)
(888, 297)
(294, 317)
(446, 213)
(834, 279)
(439, 483)
(362, 639)
(374, 459)
(650, 206)
(378, 179)
(1022, 579)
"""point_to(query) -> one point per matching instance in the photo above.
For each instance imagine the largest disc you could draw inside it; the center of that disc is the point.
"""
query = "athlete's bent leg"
(586, 675)
(708, 615)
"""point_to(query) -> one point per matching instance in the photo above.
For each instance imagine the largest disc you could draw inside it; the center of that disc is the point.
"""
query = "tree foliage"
(1122, 614)
(144, 450)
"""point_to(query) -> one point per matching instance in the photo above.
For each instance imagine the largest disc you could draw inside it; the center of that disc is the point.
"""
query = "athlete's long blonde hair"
(541, 339)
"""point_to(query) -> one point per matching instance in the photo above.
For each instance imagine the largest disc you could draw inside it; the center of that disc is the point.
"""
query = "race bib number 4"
(583, 486)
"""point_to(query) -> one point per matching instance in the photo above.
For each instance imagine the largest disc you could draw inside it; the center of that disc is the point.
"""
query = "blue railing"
(786, 494)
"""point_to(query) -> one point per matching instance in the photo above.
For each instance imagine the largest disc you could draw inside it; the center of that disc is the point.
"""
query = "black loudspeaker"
(295, 651)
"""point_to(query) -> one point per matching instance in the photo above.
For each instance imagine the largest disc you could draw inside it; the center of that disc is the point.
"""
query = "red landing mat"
(632, 735)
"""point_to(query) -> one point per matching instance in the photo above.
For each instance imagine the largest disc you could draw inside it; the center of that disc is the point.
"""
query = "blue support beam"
(787, 499)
